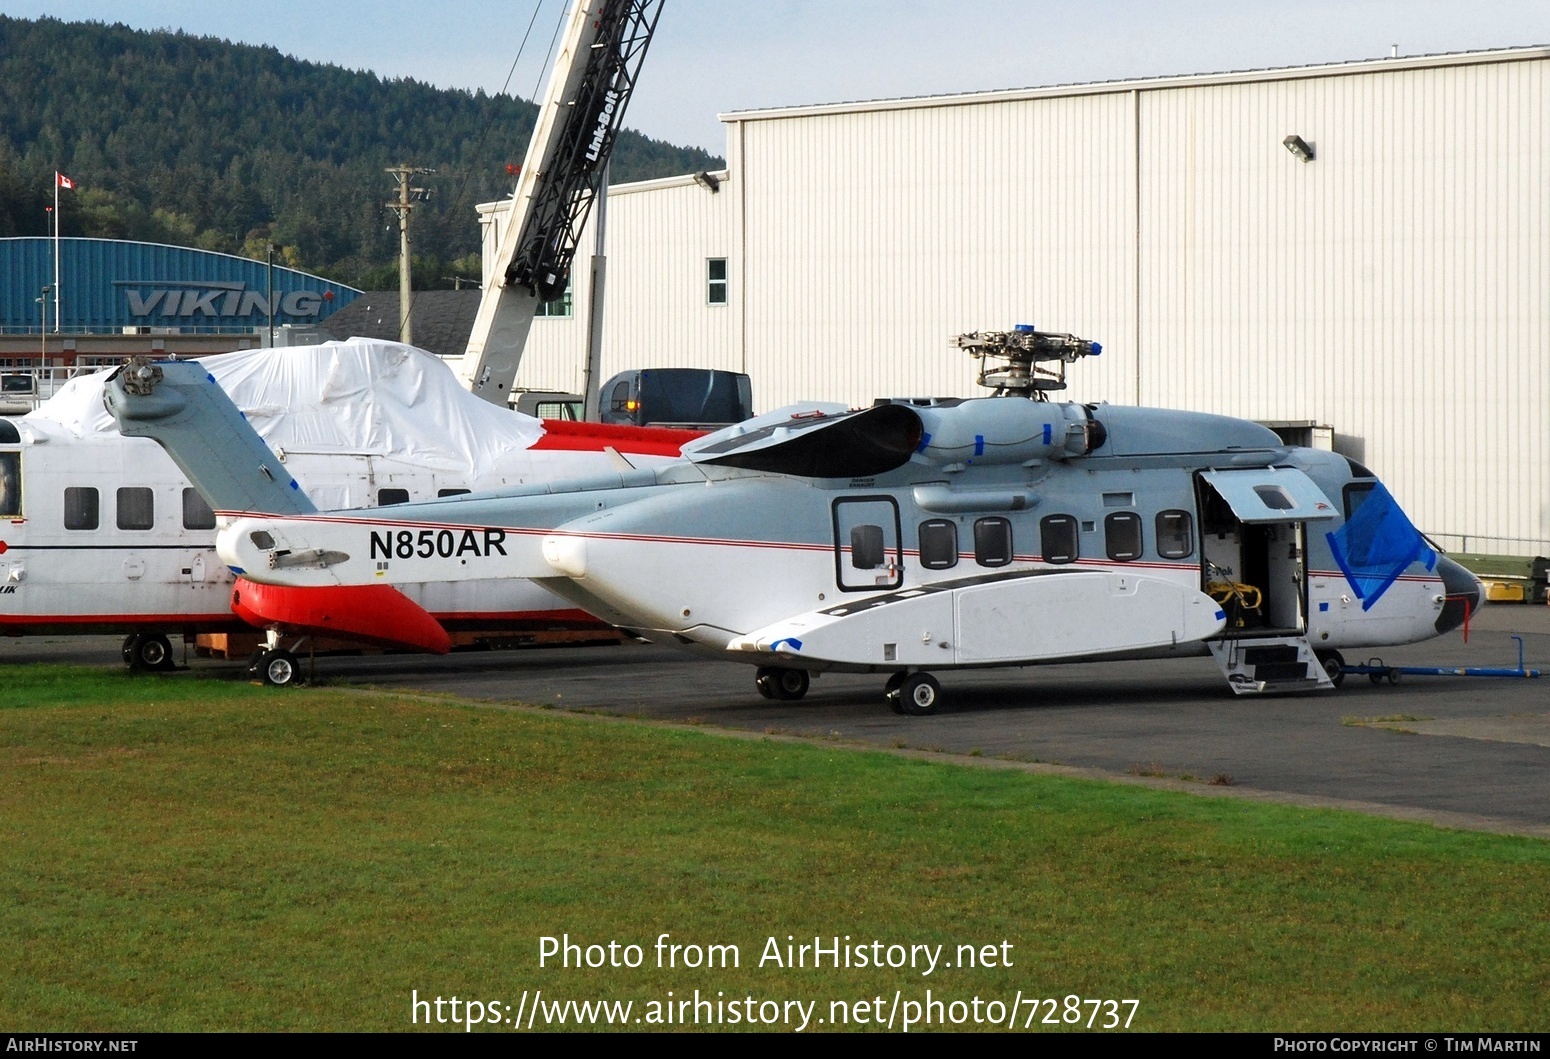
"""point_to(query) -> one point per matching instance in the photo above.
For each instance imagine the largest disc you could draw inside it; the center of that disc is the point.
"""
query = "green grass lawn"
(187, 854)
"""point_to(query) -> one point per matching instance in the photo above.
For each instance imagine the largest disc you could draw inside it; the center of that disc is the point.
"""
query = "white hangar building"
(1359, 251)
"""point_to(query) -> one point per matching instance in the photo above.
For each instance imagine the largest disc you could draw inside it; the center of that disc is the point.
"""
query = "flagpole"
(56, 251)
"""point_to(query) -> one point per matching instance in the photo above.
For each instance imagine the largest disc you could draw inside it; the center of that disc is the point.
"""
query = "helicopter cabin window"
(938, 544)
(1122, 536)
(80, 508)
(1275, 498)
(452, 492)
(136, 508)
(196, 513)
(866, 547)
(10, 484)
(1057, 538)
(1175, 534)
(388, 497)
(992, 541)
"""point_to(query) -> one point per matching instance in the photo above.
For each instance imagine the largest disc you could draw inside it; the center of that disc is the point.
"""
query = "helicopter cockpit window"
(1057, 538)
(1353, 495)
(10, 484)
(938, 544)
(388, 497)
(1122, 536)
(992, 541)
(1175, 534)
(196, 513)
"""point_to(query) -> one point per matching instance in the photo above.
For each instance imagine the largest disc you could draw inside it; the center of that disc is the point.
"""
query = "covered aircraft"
(101, 533)
(908, 538)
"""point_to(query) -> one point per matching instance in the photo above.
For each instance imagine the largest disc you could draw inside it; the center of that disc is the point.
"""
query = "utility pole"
(43, 330)
(408, 198)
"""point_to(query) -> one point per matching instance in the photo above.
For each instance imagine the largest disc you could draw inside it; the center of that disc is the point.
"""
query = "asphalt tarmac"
(1469, 752)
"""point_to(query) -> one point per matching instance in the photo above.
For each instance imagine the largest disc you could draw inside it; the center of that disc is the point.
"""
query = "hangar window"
(80, 508)
(1122, 536)
(10, 484)
(992, 541)
(716, 280)
(1057, 538)
(560, 308)
(392, 496)
(136, 508)
(938, 544)
(196, 513)
(1175, 534)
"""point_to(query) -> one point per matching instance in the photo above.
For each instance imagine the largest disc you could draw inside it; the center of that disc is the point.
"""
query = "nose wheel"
(276, 667)
(787, 685)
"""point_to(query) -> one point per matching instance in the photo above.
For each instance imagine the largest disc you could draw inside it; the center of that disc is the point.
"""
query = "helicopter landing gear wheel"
(1334, 666)
(787, 685)
(891, 692)
(278, 668)
(148, 652)
(919, 694)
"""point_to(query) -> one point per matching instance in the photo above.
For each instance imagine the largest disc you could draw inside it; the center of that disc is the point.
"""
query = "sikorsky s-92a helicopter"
(911, 538)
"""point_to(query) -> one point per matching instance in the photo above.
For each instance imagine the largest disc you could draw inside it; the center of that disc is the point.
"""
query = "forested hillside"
(200, 142)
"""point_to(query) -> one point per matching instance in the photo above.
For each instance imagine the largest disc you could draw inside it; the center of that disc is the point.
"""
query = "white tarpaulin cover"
(363, 396)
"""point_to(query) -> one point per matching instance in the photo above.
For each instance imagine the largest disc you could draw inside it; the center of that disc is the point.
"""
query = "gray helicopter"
(911, 538)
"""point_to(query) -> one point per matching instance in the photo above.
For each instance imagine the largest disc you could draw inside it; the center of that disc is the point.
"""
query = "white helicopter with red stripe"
(908, 538)
(102, 533)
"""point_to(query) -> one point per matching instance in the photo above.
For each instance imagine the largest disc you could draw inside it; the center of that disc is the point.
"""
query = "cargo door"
(1253, 526)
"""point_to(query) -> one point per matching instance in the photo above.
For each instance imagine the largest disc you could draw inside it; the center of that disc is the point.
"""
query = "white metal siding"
(659, 236)
(873, 238)
(1396, 288)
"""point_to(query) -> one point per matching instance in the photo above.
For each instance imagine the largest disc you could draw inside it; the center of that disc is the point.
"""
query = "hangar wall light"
(1299, 147)
(708, 182)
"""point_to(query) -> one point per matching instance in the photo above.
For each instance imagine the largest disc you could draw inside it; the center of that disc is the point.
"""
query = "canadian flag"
(64, 181)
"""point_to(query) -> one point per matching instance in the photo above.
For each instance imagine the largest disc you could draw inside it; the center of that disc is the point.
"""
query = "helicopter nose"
(1465, 594)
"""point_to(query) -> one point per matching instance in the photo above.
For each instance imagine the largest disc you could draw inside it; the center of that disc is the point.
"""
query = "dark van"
(689, 398)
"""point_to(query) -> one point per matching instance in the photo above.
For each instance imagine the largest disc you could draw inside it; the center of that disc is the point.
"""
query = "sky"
(715, 56)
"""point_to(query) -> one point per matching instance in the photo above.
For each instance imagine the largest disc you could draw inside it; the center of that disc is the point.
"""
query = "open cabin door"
(1253, 528)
